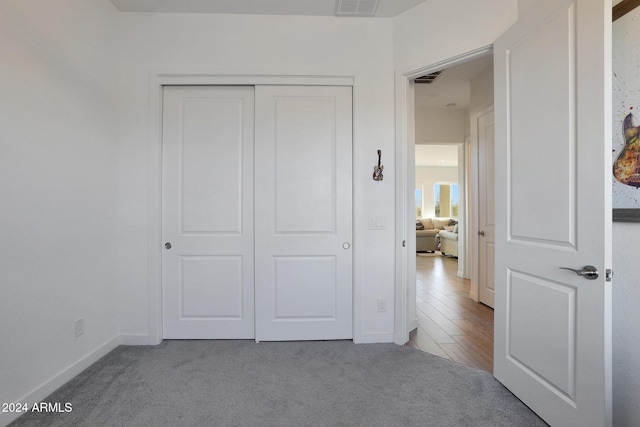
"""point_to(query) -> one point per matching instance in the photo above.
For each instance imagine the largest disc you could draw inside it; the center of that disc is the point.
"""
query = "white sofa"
(426, 240)
(449, 241)
(427, 230)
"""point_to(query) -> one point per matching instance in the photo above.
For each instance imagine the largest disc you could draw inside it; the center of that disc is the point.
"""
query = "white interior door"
(486, 208)
(553, 210)
(303, 213)
(207, 212)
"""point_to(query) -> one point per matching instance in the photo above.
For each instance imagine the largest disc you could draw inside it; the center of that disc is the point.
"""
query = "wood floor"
(450, 324)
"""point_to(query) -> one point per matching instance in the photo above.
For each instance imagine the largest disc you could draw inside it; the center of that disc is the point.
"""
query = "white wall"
(267, 45)
(481, 87)
(440, 29)
(626, 236)
(426, 177)
(57, 185)
(438, 125)
(626, 325)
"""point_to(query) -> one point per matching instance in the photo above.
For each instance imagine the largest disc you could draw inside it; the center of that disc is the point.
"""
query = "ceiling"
(452, 86)
(386, 8)
(437, 155)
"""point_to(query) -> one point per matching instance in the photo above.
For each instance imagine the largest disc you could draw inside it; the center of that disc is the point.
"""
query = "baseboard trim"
(413, 324)
(473, 296)
(460, 274)
(39, 393)
(374, 337)
(134, 339)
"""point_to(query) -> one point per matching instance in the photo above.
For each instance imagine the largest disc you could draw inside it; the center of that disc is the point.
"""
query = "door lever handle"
(588, 272)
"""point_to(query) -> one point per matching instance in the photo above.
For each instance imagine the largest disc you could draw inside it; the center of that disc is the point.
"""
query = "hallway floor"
(450, 324)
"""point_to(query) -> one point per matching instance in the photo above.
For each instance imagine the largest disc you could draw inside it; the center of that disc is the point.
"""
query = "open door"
(553, 210)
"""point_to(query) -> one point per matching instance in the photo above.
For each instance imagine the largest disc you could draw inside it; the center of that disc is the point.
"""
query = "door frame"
(405, 259)
(159, 78)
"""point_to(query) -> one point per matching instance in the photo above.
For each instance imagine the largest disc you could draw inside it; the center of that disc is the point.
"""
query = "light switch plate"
(377, 223)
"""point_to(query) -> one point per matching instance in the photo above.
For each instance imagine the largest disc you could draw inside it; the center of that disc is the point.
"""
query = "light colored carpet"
(243, 383)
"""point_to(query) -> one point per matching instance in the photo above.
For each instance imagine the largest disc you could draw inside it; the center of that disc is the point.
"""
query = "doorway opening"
(445, 317)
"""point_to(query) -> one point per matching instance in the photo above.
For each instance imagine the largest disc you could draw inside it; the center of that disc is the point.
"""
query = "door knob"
(588, 272)
(480, 233)
(167, 245)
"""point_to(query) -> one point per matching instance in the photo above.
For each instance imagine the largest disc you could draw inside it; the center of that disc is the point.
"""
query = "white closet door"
(303, 216)
(207, 212)
(486, 209)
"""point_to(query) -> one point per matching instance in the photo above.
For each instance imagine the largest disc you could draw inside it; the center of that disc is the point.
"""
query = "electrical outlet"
(78, 327)
(382, 305)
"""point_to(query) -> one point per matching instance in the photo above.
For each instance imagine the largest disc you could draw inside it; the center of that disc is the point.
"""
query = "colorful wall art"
(626, 117)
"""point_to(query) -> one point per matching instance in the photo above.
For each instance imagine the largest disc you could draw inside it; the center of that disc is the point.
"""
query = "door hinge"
(608, 274)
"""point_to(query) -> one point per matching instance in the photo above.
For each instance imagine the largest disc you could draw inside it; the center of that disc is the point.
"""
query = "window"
(446, 200)
(454, 200)
(419, 202)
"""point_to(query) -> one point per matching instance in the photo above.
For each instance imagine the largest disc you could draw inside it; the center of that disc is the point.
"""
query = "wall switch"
(382, 305)
(377, 223)
(78, 327)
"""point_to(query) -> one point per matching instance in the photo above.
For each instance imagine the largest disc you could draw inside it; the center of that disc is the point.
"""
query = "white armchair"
(449, 242)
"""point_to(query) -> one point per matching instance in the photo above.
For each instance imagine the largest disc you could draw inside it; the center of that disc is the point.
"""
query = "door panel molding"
(543, 335)
(229, 265)
(556, 145)
(322, 304)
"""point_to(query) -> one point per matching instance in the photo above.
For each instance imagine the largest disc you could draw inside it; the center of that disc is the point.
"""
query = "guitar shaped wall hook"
(626, 168)
(377, 170)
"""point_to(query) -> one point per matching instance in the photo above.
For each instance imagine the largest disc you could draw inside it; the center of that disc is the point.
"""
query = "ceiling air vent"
(429, 78)
(356, 7)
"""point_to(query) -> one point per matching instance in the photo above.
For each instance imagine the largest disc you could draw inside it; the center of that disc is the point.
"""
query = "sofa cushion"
(449, 228)
(427, 223)
(455, 228)
(440, 224)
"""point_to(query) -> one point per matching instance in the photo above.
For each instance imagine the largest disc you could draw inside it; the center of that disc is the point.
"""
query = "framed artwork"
(626, 112)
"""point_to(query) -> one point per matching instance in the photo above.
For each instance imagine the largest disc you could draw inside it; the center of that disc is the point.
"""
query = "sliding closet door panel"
(305, 165)
(303, 213)
(207, 212)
